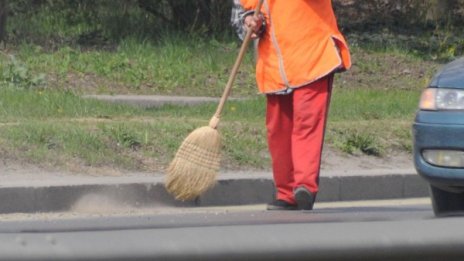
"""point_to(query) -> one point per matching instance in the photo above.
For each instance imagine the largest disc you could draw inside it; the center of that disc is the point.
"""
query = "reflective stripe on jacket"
(301, 44)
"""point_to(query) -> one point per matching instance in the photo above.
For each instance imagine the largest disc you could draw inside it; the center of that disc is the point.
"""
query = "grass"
(373, 104)
(17, 105)
(46, 122)
(173, 66)
(62, 130)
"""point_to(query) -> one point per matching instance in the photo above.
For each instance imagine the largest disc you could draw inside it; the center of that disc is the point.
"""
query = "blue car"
(438, 132)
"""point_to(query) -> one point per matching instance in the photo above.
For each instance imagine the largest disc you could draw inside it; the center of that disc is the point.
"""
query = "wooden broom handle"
(215, 119)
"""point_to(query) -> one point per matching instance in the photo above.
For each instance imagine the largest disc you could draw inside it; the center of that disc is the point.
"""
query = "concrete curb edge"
(241, 190)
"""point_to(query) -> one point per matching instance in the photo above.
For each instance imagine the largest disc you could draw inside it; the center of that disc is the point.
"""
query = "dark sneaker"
(304, 199)
(281, 205)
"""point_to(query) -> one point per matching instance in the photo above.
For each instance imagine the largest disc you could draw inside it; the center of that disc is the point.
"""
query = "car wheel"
(447, 203)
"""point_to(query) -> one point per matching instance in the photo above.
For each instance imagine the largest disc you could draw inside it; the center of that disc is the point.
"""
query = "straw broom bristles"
(196, 164)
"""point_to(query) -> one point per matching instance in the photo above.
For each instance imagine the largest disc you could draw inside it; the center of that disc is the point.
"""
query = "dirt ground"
(336, 160)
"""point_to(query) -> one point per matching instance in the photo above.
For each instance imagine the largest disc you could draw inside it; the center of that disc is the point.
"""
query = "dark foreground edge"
(433, 239)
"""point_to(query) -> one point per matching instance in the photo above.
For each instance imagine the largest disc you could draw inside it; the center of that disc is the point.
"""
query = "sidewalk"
(27, 192)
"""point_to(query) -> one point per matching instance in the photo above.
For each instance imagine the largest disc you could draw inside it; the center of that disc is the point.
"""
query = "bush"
(399, 13)
(16, 75)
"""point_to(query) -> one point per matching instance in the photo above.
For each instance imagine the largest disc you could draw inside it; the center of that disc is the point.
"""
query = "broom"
(196, 164)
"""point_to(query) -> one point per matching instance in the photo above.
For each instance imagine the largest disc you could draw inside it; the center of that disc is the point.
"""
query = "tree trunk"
(3, 15)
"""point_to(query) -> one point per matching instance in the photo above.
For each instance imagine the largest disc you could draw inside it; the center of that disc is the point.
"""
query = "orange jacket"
(301, 44)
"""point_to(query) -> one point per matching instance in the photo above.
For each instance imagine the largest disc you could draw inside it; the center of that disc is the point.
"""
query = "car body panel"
(441, 130)
(427, 136)
(440, 117)
(450, 76)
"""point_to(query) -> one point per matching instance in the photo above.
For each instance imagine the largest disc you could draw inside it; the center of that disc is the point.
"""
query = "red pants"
(295, 128)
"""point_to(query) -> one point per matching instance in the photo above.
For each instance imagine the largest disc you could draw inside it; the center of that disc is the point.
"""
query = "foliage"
(105, 22)
(95, 22)
(122, 136)
(355, 143)
(176, 66)
(3, 16)
(432, 28)
(17, 75)
(398, 13)
(202, 16)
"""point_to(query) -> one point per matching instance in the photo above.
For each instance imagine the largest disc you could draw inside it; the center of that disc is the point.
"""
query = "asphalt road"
(374, 230)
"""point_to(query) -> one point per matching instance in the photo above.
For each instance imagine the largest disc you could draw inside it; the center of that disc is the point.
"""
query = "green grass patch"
(373, 104)
(173, 66)
(46, 122)
(23, 105)
(64, 130)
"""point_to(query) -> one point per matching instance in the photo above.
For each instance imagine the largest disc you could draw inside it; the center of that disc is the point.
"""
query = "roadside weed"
(17, 75)
(356, 143)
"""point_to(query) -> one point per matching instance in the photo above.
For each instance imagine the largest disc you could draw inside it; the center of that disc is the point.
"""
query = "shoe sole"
(304, 199)
(281, 208)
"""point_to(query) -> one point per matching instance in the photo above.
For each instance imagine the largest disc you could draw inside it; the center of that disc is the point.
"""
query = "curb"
(154, 101)
(231, 189)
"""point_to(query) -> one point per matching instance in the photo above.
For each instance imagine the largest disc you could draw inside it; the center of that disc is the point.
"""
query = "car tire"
(446, 203)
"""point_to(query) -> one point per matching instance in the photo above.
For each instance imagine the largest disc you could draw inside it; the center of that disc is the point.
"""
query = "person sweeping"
(299, 49)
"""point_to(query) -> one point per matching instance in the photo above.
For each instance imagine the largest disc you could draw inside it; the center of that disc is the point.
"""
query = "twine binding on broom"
(196, 164)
